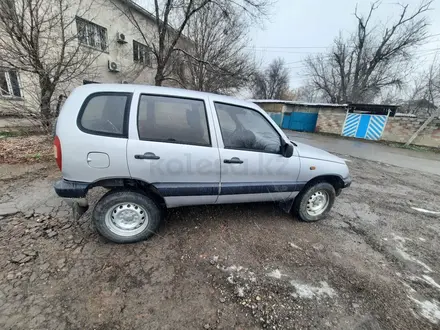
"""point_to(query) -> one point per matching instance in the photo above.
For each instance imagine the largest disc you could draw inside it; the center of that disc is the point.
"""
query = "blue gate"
(364, 126)
(300, 121)
(276, 117)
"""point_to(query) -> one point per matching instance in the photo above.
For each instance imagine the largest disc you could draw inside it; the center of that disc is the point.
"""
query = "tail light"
(57, 151)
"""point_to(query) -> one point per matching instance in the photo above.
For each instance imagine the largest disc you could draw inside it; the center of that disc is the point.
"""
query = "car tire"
(126, 216)
(314, 202)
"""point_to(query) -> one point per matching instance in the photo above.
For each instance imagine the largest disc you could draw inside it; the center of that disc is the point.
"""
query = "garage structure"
(293, 115)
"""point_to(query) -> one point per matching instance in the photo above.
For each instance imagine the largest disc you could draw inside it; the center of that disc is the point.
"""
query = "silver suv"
(157, 148)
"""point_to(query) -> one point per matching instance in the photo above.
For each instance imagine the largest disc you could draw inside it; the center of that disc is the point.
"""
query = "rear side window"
(105, 114)
(173, 120)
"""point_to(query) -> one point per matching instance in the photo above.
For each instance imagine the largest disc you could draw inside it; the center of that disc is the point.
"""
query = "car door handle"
(147, 155)
(233, 160)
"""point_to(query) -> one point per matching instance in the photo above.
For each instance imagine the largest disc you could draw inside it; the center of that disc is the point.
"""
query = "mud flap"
(79, 207)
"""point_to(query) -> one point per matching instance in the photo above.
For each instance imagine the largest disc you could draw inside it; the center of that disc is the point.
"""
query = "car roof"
(96, 88)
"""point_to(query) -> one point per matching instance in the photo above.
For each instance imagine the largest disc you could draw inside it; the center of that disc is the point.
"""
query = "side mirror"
(287, 150)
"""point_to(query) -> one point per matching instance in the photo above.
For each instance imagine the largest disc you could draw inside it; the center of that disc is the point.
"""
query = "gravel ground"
(373, 264)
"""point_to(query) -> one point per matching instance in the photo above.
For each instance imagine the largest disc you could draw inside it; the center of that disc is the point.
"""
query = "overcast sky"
(308, 26)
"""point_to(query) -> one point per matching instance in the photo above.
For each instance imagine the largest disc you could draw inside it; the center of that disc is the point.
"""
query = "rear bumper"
(71, 189)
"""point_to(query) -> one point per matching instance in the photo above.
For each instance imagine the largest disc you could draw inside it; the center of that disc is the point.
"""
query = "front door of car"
(252, 166)
(171, 147)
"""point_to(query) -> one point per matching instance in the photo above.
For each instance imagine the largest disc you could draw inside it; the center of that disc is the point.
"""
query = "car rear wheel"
(315, 202)
(125, 216)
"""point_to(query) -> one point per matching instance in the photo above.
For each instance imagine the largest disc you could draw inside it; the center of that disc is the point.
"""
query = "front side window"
(246, 129)
(9, 83)
(173, 120)
(105, 114)
(91, 34)
(141, 53)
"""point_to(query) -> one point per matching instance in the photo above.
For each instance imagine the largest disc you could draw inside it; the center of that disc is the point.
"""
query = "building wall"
(397, 129)
(105, 14)
(400, 129)
(330, 120)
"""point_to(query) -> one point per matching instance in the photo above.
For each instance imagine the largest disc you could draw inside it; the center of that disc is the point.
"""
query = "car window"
(104, 114)
(244, 128)
(173, 120)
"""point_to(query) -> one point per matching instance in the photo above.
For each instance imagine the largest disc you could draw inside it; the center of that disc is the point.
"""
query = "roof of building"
(148, 14)
(139, 9)
(305, 104)
(376, 109)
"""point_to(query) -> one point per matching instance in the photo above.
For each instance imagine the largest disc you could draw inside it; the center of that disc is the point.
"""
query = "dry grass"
(26, 149)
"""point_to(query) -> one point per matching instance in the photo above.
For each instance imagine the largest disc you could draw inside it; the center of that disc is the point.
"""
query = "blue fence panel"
(376, 127)
(286, 120)
(364, 126)
(303, 121)
(351, 124)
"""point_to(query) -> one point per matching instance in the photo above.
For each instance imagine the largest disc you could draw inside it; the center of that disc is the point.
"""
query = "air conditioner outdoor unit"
(120, 37)
(113, 66)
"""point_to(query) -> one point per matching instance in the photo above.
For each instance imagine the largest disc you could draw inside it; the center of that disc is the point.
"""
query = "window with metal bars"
(9, 83)
(91, 34)
(141, 53)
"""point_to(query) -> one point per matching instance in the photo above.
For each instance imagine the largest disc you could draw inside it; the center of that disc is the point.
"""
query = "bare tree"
(37, 38)
(424, 97)
(171, 19)
(272, 83)
(372, 58)
(218, 61)
(307, 93)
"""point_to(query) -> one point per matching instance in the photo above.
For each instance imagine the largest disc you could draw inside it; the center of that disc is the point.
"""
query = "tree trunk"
(159, 78)
(46, 90)
(45, 111)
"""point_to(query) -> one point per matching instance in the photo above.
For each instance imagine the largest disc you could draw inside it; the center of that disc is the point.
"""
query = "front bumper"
(347, 182)
(71, 189)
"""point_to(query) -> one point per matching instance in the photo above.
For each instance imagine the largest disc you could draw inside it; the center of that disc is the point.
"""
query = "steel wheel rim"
(126, 219)
(318, 203)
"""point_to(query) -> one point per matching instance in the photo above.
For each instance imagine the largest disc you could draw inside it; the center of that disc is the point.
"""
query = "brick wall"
(400, 129)
(271, 107)
(397, 129)
(331, 120)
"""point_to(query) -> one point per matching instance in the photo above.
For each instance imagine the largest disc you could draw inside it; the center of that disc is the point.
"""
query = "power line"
(289, 52)
(323, 47)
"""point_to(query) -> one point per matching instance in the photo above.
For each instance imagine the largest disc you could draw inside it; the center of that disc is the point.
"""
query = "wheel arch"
(133, 184)
(335, 180)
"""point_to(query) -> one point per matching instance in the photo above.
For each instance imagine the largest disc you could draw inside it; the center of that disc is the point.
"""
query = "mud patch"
(309, 291)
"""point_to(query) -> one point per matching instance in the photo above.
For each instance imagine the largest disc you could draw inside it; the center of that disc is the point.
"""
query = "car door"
(171, 147)
(252, 166)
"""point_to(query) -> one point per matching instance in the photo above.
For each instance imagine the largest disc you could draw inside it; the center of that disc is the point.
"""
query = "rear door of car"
(252, 166)
(172, 147)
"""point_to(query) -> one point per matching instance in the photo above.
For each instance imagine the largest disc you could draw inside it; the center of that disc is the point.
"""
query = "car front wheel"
(124, 216)
(315, 202)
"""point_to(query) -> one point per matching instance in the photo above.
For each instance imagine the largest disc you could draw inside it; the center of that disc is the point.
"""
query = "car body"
(177, 147)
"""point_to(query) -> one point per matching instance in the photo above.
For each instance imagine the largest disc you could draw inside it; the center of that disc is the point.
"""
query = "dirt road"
(373, 264)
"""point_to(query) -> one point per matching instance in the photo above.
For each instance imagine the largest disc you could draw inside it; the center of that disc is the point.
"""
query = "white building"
(105, 29)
